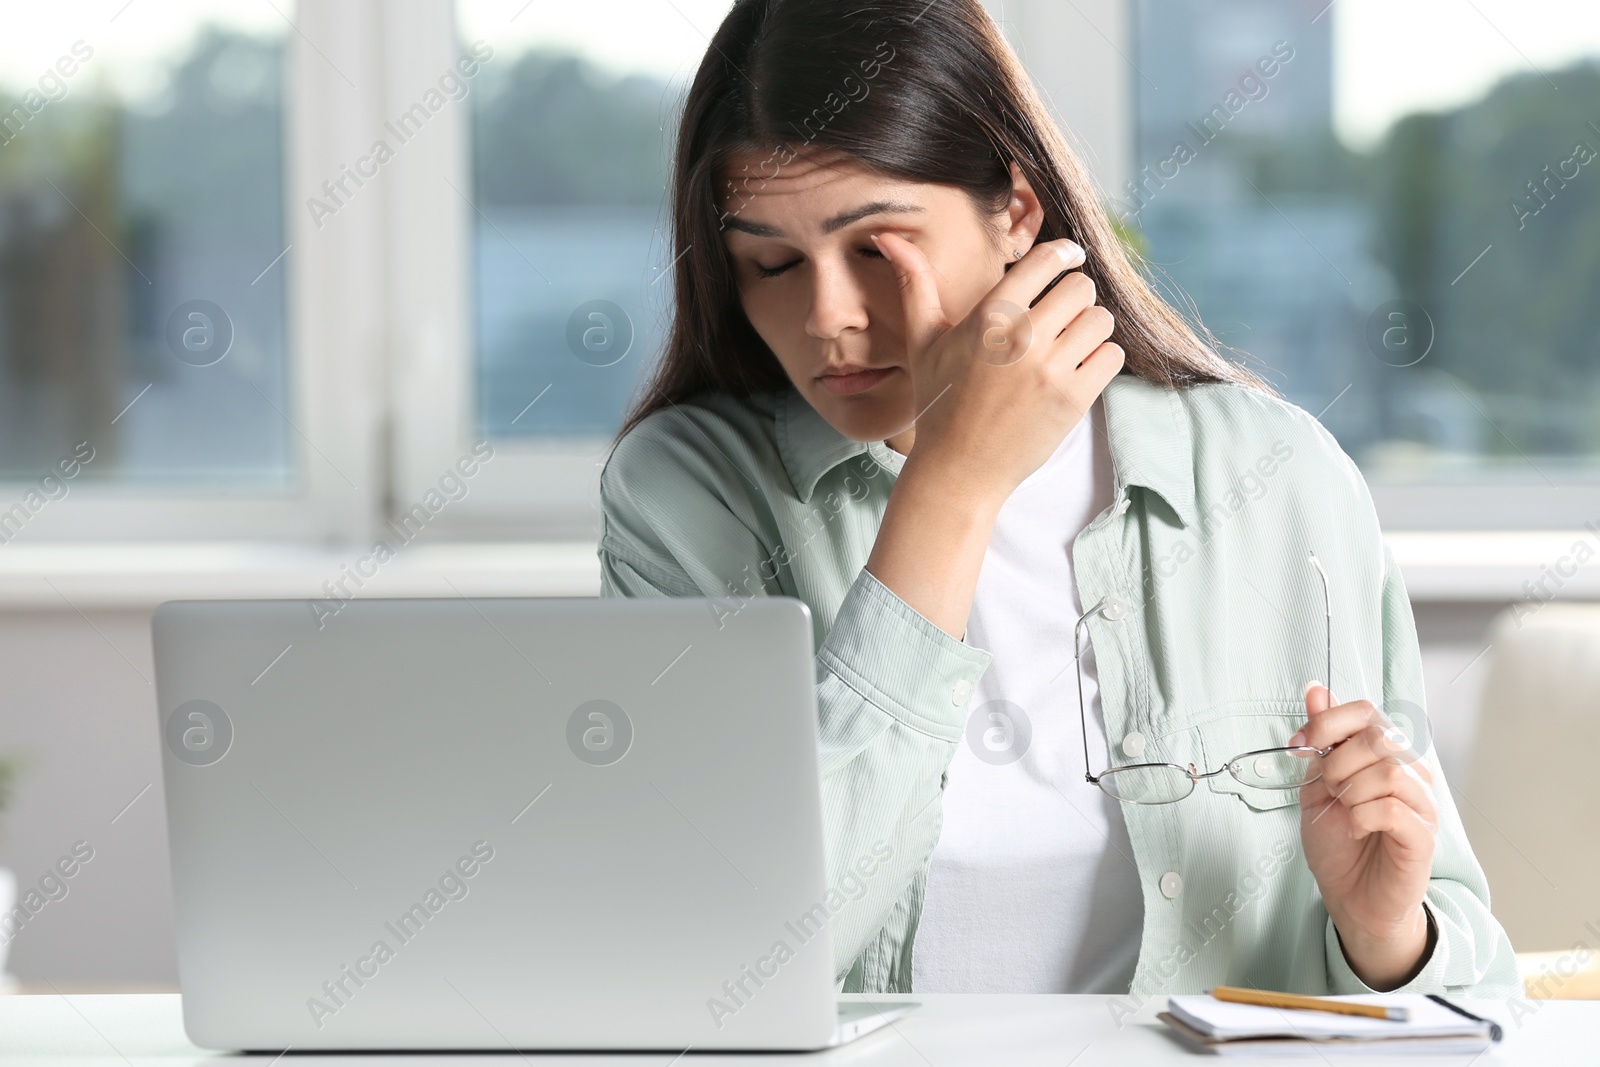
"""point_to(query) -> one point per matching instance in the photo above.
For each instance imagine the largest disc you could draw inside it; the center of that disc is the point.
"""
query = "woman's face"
(826, 301)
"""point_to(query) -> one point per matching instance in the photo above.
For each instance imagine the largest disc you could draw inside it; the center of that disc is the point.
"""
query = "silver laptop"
(498, 823)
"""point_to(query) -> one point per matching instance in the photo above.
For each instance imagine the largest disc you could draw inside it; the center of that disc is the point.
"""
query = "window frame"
(330, 402)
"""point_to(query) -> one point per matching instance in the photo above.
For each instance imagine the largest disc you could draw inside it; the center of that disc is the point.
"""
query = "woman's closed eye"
(773, 272)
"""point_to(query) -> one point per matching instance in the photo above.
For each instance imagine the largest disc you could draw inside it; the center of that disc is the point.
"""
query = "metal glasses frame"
(1191, 772)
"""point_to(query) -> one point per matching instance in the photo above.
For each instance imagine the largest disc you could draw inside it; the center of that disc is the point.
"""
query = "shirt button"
(961, 692)
(1122, 505)
(1114, 608)
(1133, 745)
(1171, 885)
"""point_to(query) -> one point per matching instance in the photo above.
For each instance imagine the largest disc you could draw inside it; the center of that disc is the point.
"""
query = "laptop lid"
(493, 823)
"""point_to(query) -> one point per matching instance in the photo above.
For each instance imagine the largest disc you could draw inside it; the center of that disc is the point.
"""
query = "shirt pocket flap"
(1231, 737)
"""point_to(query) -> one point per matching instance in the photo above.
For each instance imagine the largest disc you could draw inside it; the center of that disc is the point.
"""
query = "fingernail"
(1297, 740)
(1073, 253)
(1307, 691)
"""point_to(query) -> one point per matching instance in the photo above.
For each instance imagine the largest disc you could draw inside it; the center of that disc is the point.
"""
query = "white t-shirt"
(1032, 887)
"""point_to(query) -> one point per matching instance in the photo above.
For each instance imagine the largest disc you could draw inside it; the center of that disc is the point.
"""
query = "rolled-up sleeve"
(899, 662)
(1472, 956)
(892, 687)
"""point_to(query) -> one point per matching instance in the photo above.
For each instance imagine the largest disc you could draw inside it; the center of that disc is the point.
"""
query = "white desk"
(948, 1031)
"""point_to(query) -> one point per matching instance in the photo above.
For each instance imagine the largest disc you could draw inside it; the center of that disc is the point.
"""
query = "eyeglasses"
(1289, 767)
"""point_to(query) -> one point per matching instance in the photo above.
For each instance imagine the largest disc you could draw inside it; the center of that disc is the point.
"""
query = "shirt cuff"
(1429, 979)
(898, 660)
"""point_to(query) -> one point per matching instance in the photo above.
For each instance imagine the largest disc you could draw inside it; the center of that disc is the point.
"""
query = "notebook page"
(1225, 1019)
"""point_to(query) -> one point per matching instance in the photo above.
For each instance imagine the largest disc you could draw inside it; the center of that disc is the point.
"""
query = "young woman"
(1040, 527)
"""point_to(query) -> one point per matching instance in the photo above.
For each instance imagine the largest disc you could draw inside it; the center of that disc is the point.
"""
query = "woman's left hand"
(1367, 827)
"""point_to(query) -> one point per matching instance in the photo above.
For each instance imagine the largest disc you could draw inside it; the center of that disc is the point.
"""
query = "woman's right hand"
(996, 393)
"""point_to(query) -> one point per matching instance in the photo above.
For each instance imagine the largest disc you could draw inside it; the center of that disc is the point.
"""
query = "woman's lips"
(845, 384)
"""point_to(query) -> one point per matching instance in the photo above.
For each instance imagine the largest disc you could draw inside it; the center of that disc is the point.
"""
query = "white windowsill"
(139, 576)
(1447, 566)
(1496, 565)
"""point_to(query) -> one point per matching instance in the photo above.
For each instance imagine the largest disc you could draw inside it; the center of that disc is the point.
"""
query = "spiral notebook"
(1228, 1029)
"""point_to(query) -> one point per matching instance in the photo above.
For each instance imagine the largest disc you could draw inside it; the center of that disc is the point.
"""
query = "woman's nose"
(837, 303)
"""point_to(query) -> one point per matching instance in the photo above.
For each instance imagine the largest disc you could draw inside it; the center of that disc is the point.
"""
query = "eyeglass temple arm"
(1327, 617)
(1083, 718)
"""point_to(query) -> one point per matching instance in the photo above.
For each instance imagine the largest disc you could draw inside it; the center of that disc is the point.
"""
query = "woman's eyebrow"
(838, 222)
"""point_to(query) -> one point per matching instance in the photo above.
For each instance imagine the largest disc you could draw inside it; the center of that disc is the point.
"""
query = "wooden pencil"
(1269, 999)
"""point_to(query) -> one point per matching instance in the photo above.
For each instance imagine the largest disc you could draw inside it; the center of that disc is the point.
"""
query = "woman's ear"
(1024, 215)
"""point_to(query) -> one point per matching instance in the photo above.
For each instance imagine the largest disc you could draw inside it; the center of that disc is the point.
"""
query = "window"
(268, 327)
(1394, 212)
(569, 172)
(162, 333)
(143, 326)
(560, 198)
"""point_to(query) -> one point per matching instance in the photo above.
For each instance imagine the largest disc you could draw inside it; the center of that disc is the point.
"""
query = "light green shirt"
(1220, 493)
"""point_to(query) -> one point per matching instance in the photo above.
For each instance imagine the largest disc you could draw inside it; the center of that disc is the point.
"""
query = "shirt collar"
(1146, 423)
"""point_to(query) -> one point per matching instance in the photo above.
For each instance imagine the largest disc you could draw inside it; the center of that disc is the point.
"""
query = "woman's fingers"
(1084, 334)
(1386, 779)
(1396, 819)
(1358, 719)
(1043, 264)
(919, 291)
(1367, 748)
(1062, 305)
(1333, 725)
(1105, 362)
(1328, 724)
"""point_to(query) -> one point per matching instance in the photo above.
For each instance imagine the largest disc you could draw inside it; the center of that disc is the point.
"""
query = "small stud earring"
(1015, 254)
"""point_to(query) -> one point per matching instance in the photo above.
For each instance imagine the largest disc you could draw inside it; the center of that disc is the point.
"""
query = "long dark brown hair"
(919, 90)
